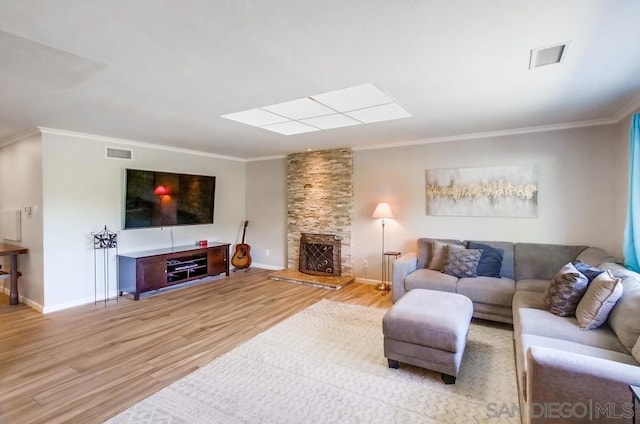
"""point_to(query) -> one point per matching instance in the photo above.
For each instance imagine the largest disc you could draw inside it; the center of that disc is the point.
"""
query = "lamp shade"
(383, 210)
(161, 191)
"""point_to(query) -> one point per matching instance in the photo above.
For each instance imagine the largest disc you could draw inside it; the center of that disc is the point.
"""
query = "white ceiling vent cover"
(547, 55)
(115, 153)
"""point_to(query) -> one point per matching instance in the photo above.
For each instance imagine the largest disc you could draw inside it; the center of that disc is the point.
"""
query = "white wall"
(579, 170)
(20, 186)
(84, 191)
(582, 200)
(267, 212)
(574, 202)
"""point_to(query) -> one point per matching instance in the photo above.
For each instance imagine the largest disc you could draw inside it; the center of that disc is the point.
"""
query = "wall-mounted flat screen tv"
(162, 199)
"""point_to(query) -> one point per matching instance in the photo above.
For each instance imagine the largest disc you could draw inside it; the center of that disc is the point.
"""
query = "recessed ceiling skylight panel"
(353, 98)
(299, 109)
(351, 106)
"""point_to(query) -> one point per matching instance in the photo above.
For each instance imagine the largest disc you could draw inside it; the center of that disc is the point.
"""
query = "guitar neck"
(244, 231)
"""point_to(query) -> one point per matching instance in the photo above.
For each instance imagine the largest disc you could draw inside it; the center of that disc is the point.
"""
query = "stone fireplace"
(320, 254)
(320, 201)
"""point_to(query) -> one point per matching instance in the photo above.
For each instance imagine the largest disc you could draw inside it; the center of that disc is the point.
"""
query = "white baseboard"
(87, 300)
(78, 302)
(30, 303)
(265, 266)
(367, 281)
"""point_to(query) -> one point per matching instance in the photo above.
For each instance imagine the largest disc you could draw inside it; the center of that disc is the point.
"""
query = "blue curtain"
(631, 248)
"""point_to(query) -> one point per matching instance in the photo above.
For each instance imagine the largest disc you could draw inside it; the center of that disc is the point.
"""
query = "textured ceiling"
(164, 72)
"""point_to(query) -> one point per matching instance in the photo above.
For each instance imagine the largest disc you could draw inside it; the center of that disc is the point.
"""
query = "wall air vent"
(115, 153)
(547, 55)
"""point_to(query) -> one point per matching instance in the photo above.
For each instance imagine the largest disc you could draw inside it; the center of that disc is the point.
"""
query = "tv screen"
(162, 199)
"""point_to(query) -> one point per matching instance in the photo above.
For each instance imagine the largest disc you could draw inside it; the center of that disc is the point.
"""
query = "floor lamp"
(383, 210)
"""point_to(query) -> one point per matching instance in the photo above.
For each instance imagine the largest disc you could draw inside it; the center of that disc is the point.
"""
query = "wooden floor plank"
(89, 363)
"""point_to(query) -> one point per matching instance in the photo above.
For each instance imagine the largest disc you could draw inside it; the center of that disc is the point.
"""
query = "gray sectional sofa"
(563, 372)
(525, 267)
(590, 371)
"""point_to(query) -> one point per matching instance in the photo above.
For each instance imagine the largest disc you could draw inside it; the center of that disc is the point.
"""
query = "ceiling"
(163, 72)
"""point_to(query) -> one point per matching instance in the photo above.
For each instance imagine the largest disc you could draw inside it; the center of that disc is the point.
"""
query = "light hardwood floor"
(87, 364)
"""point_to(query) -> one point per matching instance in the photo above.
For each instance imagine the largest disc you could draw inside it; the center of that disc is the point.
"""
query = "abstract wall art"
(506, 191)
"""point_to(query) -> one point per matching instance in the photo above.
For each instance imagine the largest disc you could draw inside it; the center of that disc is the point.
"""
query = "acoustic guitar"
(241, 257)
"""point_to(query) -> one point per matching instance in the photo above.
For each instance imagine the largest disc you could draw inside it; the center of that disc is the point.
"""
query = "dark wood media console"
(139, 272)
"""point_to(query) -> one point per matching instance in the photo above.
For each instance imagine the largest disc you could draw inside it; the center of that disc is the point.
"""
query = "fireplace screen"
(320, 254)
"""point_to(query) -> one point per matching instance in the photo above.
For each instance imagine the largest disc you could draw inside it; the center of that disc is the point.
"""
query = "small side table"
(635, 397)
(389, 258)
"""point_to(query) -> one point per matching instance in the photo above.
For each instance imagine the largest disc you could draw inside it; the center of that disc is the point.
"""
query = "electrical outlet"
(266, 252)
(365, 263)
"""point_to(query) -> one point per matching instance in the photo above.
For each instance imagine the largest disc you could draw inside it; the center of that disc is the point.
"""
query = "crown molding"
(19, 137)
(115, 140)
(490, 134)
(615, 119)
(261, 158)
(627, 110)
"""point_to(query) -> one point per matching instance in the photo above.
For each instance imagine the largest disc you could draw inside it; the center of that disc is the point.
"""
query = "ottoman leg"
(393, 363)
(448, 379)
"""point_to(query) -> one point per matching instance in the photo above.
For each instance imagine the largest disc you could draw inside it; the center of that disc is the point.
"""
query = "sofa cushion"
(440, 253)
(462, 262)
(529, 340)
(523, 300)
(541, 322)
(506, 269)
(619, 271)
(542, 261)
(532, 285)
(595, 256)
(431, 280)
(599, 299)
(565, 291)
(624, 318)
(491, 260)
(488, 290)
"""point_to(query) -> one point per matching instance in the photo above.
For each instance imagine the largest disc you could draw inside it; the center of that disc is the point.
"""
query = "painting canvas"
(507, 191)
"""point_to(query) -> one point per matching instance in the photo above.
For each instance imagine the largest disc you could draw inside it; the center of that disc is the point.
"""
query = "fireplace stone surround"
(320, 201)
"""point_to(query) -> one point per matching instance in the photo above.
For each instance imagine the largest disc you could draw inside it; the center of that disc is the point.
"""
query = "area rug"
(326, 365)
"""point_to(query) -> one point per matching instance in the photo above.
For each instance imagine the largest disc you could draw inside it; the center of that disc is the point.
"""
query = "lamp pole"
(383, 211)
(383, 282)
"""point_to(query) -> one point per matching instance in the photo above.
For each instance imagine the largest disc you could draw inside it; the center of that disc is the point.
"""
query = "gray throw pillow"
(439, 251)
(565, 291)
(462, 262)
(600, 298)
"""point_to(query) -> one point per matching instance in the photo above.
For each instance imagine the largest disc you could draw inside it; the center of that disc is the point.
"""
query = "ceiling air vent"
(547, 55)
(114, 153)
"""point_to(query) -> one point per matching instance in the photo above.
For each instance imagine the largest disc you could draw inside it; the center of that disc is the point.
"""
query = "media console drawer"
(139, 272)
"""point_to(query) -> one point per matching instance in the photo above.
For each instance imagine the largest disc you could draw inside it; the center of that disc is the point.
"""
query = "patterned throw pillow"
(462, 262)
(490, 261)
(565, 291)
(600, 298)
(439, 251)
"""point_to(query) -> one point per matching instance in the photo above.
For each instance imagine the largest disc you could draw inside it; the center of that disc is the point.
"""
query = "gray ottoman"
(428, 329)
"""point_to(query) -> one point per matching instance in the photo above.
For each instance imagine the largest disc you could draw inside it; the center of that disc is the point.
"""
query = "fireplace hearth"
(320, 254)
